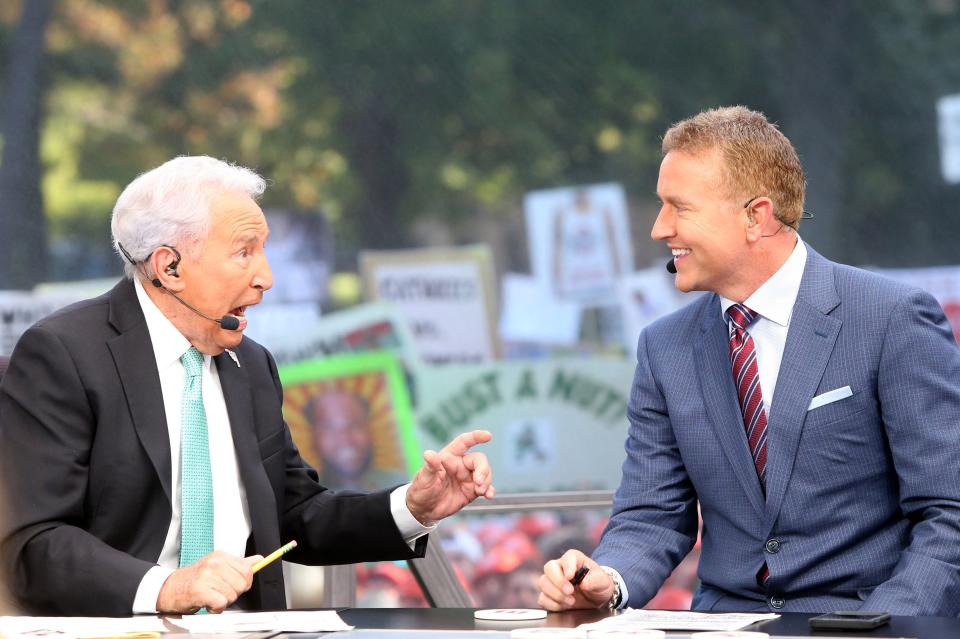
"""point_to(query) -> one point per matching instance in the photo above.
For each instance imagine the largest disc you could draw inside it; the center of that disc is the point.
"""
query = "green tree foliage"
(388, 115)
(446, 108)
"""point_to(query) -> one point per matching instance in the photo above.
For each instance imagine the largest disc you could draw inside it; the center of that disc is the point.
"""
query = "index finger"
(571, 561)
(463, 442)
(553, 571)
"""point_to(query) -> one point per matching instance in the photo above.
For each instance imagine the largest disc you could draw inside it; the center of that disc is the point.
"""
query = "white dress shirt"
(231, 516)
(773, 303)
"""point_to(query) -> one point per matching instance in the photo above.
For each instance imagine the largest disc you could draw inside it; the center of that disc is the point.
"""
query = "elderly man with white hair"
(143, 452)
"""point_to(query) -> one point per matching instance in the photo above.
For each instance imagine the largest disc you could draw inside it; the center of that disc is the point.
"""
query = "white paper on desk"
(281, 621)
(77, 627)
(632, 619)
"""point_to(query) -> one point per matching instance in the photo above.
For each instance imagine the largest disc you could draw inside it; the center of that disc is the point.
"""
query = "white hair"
(170, 205)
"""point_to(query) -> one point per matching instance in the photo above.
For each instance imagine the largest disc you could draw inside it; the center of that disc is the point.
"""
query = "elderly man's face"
(228, 274)
(703, 226)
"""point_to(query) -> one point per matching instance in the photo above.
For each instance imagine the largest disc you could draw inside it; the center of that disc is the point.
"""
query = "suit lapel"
(137, 367)
(237, 394)
(810, 341)
(720, 400)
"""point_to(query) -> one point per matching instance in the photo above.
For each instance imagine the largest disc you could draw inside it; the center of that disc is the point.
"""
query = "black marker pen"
(579, 575)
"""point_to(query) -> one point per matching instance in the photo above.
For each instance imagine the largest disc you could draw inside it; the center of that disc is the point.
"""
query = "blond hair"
(758, 160)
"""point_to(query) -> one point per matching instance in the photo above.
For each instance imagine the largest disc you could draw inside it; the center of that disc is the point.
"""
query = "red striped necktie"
(746, 376)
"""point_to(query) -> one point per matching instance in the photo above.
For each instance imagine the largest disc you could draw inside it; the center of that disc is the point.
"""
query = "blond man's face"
(702, 224)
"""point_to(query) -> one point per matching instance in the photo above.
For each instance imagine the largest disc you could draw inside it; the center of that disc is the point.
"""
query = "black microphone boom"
(227, 322)
(671, 267)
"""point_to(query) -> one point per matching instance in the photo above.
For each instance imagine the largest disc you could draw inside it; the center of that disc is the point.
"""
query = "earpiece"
(227, 322)
(171, 269)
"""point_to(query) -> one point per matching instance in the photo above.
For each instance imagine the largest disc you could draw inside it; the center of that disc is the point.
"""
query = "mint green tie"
(196, 485)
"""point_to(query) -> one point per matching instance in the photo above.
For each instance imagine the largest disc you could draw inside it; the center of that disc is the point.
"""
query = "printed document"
(280, 621)
(633, 619)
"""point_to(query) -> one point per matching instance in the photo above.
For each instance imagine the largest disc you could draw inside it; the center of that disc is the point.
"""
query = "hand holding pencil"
(214, 582)
(276, 554)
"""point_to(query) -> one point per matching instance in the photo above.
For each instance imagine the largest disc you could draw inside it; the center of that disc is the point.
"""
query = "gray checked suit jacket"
(862, 507)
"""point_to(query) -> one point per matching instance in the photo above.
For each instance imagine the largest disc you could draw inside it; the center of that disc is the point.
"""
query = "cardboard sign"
(644, 297)
(579, 240)
(445, 295)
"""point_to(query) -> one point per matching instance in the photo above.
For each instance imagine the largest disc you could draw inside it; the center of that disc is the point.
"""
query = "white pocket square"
(829, 397)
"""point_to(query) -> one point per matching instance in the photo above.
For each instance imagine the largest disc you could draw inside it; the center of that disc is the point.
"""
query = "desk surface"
(456, 621)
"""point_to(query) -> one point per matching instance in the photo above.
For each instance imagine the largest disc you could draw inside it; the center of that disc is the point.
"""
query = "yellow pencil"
(276, 554)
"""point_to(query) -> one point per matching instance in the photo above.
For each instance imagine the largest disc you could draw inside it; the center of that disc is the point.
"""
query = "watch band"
(615, 599)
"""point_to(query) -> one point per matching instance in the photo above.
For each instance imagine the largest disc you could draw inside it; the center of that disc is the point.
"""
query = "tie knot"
(740, 316)
(192, 361)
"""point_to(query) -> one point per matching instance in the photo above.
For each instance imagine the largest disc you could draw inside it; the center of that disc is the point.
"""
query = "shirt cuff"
(624, 595)
(149, 590)
(410, 529)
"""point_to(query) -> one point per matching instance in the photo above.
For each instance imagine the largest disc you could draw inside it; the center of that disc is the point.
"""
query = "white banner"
(948, 125)
(557, 424)
(19, 310)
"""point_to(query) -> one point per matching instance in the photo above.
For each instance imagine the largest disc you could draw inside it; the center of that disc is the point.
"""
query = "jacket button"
(772, 546)
(777, 602)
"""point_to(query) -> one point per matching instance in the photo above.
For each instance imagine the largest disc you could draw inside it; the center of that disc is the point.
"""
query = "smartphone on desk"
(849, 620)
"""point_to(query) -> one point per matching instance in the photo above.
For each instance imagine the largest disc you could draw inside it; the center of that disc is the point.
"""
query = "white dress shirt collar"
(168, 343)
(775, 298)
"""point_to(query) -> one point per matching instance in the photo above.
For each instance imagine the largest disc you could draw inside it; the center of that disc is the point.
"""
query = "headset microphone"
(671, 267)
(227, 322)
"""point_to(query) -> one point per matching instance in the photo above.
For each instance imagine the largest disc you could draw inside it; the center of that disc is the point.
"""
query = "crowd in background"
(498, 559)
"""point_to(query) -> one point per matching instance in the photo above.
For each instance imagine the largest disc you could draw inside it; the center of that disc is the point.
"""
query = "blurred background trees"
(22, 217)
(425, 123)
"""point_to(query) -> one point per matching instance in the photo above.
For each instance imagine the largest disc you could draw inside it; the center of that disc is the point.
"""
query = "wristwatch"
(615, 598)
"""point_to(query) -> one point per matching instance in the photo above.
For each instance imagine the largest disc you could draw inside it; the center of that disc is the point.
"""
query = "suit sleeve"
(919, 389)
(336, 527)
(46, 433)
(654, 520)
